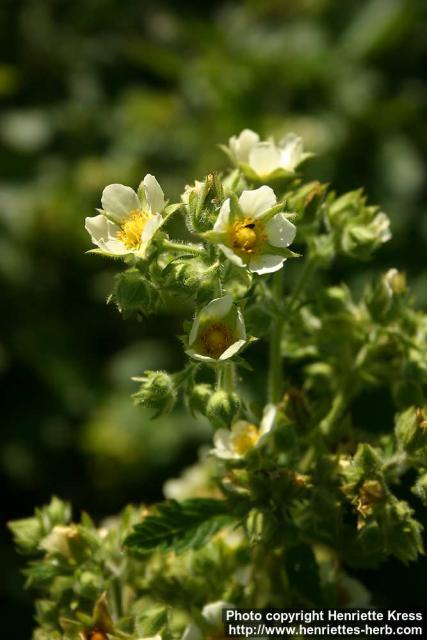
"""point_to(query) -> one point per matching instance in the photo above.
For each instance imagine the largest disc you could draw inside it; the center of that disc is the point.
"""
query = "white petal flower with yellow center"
(264, 159)
(243, 436)
(128, 220)
(218, 331)
(253, 233)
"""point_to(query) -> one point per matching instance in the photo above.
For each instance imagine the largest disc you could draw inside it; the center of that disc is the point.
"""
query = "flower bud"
(420, 488)
(307, 200)
(202, 200)
(157, 392)
(321, 248)
(411, 429)
(192, 273)
(199, 397)
(360, 241)
(383, 296)
(222, 408)
(358, 229)
(255, 525)
(58, 540)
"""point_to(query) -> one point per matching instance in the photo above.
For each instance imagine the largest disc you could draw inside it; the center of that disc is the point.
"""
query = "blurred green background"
(96, 91)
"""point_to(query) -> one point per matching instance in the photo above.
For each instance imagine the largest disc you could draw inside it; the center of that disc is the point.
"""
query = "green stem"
(330, 421)
(225, 377)
(275, 377)
(301, 284)
(180, 246)
(117, 597)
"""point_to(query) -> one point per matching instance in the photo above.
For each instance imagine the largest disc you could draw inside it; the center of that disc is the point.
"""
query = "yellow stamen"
(247, 236)
(245, 439)
(370, 493)
(132, 228)
(215, 339)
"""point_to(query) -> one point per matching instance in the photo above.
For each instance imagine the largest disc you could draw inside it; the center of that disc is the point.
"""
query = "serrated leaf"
(179, 526)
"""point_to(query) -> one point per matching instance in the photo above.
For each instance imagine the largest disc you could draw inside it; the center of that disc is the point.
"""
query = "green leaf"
(179, 526)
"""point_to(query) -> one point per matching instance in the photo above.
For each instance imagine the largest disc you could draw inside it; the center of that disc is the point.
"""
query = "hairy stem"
(225, 378)
(275, 377)
(331, 420)
(172, 245)
(307, 271)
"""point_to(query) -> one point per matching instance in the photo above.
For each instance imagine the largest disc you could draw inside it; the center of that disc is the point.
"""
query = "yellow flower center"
(132, 228)
(247, 236)
(215, 339)
(245, 439)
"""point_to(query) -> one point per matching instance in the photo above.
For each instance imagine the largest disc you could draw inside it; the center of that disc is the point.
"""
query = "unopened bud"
(199, 397)
(157, 392)
(222, 408)
(203, 200)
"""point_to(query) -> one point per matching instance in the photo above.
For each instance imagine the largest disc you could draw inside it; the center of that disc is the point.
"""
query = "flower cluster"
(298, 479)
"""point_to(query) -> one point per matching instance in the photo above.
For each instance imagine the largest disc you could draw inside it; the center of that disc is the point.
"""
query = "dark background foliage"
(95, 91)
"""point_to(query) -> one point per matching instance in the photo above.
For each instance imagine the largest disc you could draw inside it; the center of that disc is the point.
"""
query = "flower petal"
(233, 257)
(223, 220)
(265, 158)
(212, 612)
(148, 232)
(266, 263)
(232, 350)
(194, 330)
(153, 193)
(103, 234)
(222, 444)
(291, 152)
(198, 356)
(268, 419)
(280, 231)
(242, 144)
(255, 202)
(97, 227)
(216, 309)
(119, 200)
(116, 246)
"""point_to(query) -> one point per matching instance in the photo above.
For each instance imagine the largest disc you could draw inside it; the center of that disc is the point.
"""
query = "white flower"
(243, 436)
(58, 540)
(195, 481)
(218, 331)
(212, 613)
(254, 234)
(128, 221)
(263, 159)
(240, 146)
